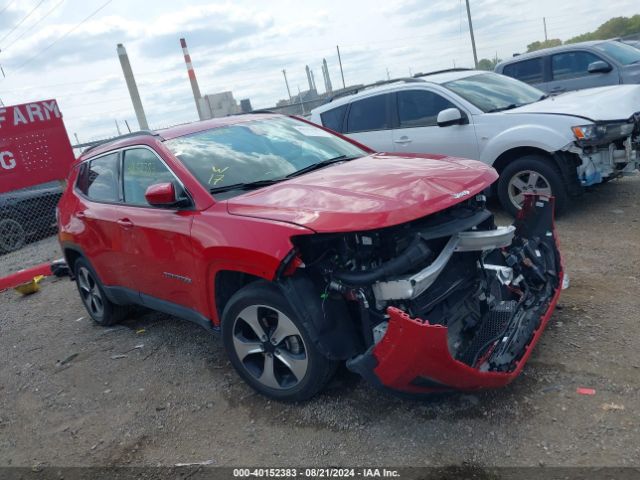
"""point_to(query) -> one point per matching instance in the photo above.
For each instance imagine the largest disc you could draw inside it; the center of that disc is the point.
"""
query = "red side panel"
(34, 146)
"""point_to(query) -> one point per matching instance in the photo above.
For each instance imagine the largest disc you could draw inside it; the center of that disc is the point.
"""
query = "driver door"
(417, 130)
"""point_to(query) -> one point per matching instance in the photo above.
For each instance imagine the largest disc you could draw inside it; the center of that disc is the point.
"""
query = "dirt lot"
(67, 398)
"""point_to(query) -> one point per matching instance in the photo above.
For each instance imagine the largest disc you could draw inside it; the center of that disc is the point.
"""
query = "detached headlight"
(601, 133)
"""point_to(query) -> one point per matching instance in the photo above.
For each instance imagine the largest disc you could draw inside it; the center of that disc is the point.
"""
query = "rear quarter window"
(528, 71)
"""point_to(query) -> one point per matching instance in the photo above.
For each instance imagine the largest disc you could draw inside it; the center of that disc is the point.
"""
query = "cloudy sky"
(66, 49)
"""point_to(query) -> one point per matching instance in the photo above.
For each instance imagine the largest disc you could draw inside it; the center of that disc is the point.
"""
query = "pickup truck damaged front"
(446, 302)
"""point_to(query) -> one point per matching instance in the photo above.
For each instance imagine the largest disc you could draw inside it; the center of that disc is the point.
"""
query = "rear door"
(96, 216)
(569, 71)
(157, 247)
(417, 130)
(369, 122)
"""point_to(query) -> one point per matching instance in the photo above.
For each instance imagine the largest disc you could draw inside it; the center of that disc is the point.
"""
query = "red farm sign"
(34, 146)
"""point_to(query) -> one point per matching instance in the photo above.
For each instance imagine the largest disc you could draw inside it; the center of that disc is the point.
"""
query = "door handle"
(81, 214)
(125, 223)
(403, 140)
(558, 89)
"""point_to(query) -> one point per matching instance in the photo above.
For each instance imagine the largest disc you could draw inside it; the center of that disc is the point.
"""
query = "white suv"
(549, 145)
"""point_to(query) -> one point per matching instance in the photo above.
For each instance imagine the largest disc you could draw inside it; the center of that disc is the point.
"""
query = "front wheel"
(270, 347)
(531, 174)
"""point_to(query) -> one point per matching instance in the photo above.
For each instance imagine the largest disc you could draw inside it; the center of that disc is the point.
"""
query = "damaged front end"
(606, 150)
(449, 301)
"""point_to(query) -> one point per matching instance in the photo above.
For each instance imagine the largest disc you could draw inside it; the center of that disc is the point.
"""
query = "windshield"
(491, 92)
(621, 52)
(256, 150)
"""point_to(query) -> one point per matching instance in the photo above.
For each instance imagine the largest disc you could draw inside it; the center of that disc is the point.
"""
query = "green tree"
(553, 42)
(488, 63)
(614, 27)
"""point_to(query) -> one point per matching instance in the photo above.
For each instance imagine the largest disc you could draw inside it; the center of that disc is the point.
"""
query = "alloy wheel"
(527, 181)
(270, 347)
(90, 292)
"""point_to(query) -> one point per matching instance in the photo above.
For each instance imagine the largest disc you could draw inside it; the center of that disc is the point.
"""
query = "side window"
(98, 179)
(419, 108)
(571, 64)
(334, 118)
(142, 168)
(529, 71)
(368, 114)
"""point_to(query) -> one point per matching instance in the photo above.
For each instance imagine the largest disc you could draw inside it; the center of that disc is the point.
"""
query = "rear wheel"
(99, 307)
(531, 174)
(270, 347)
(12, 235)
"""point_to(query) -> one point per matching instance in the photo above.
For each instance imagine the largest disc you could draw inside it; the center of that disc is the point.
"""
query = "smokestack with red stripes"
(200, 103)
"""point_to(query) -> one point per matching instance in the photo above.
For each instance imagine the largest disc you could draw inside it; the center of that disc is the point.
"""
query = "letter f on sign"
(7, 161)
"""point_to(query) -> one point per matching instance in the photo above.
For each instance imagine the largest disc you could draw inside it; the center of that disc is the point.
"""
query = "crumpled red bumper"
(413, 356)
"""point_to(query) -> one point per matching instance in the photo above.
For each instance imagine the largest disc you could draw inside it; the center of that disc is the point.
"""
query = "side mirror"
(450, 116)
(161, 195)
(599, 66)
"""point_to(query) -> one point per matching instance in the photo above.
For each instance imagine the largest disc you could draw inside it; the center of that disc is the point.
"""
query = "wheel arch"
(507, 156)
(226, 283)
(565, 162)
(71, 254)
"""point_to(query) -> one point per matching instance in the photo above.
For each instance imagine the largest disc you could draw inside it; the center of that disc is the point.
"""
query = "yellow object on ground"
(30, 287)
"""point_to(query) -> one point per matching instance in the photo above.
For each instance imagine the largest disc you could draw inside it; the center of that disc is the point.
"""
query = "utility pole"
(118, 127)
(284, 72)
(133, 87)
(388, 75)
(544, 22)
(473, 40)
(341, 71)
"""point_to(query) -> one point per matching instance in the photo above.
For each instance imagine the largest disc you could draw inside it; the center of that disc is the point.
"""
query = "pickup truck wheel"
(99, 307)
(270, 347)
(530, 174)
(12, 235)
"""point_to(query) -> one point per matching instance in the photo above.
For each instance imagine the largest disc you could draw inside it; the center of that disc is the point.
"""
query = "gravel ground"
(67, 397)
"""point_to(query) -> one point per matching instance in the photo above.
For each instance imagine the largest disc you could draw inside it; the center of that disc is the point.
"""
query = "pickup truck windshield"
(623, 53)
(491, 92)
(258, 151)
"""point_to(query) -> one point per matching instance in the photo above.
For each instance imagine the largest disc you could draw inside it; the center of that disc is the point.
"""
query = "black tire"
(12, 235)
(92, 295)
(273, 315)
(548, 174)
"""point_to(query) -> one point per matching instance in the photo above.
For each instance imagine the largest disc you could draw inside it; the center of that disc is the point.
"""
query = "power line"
(65, 35)
(7, 5)
(35, 24)
(21, 21)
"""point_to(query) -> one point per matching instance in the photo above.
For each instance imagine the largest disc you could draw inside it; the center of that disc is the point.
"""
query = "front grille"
(491, 329)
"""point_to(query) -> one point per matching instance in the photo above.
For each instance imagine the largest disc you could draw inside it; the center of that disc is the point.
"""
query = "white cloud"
(243, 46)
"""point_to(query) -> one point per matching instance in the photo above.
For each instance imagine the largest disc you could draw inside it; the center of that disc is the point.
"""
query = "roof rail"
(353, 91)
(140, 133)
(457, 69)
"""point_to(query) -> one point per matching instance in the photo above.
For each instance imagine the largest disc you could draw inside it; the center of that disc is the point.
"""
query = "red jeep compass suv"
(305, 249)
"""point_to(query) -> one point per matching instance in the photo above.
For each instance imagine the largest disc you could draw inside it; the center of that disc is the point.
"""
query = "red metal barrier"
(35, 152)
